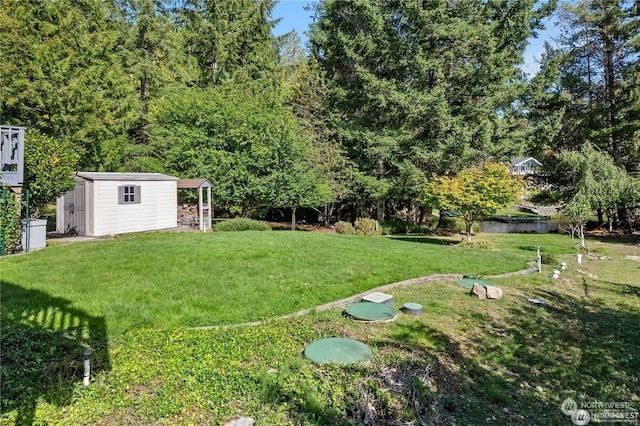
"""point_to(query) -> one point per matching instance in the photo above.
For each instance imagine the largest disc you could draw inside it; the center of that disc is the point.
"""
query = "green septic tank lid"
(469, 282)
(337, 350)
(370, 311)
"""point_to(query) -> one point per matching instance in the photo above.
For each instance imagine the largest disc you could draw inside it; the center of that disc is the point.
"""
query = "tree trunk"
(610, 87)
(293, 218)
(380, 210)
(412, 213)
(468, 224)
(328, 212)
(426, 214)
(583, 239)
(441, 221)
(381, 204)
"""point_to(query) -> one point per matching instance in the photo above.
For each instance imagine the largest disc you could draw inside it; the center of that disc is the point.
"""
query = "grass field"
(133, 299)
(169, 280)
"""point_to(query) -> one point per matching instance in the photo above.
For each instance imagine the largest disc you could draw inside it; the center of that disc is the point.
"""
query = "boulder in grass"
(478, 290)
(493, 292)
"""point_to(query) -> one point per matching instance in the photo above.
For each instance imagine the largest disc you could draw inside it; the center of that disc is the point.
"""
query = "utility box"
(34, 234)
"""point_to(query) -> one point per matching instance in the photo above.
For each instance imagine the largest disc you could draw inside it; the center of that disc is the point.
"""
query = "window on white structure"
(129, 194)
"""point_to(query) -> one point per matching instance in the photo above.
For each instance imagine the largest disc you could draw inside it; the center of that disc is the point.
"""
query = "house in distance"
(524, 166)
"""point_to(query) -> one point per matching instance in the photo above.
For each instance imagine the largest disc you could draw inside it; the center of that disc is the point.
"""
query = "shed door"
(74, 216)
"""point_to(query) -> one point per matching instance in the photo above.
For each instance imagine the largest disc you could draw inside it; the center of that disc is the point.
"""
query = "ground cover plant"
(462, 362)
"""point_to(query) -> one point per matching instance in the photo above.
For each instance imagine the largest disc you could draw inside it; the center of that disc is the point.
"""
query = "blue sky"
(295, 17)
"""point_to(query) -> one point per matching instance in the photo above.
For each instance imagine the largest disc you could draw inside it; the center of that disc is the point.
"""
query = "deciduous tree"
(49, 166)
(239, 136)
(473, 193)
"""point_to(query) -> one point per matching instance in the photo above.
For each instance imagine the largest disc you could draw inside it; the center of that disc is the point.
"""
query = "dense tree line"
(388, 93)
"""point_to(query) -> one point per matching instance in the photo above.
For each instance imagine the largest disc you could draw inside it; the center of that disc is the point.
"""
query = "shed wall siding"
(157, 208)
(90, 208)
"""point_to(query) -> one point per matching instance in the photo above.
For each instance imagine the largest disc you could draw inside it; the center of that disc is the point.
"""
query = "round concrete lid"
(469, 282)
(337, 350)
(369, 311)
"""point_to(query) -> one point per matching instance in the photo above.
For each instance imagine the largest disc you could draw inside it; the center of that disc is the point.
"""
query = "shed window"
(129, 194)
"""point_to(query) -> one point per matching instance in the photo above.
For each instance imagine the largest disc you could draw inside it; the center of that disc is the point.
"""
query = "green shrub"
(345, 228)
(549, 259)
(455, 224)
(396, 226)
(479, 244)
(49, 165)
(420, 228)
(242, 224)
(367, 226)
(10, 221)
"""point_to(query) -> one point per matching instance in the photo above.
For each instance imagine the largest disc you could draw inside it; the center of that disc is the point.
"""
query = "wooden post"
(210, 210)
(200, 212)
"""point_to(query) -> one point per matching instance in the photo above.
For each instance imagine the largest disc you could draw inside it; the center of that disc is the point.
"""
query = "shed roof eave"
(100, 176)
(194, 183)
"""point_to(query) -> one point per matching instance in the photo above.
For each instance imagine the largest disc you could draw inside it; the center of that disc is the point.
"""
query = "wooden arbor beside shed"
(205, 212)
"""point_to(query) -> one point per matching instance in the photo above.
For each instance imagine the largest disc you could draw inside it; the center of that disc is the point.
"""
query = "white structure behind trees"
(524, 166)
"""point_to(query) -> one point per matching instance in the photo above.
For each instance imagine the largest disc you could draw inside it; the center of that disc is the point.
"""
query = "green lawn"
(165, 280)
(463, 361)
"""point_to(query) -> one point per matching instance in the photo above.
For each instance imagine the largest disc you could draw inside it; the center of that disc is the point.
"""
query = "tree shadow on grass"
(462, 387)
(520, 368)
(574, 348)
(622, 288)
(43, 340)
(424, 240)
(624, 239)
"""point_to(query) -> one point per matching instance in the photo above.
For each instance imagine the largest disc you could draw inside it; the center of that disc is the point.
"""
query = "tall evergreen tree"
(422, 87)
(308, 94)
(61, 73)
(231, 39)
(600, 78)
(155, 57)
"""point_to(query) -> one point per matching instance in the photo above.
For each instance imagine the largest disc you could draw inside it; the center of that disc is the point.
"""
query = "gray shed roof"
(94, 176)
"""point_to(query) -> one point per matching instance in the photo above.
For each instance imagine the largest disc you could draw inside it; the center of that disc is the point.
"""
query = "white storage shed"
(117, 203)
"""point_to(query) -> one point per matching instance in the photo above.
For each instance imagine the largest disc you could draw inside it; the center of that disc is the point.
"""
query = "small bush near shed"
(549, 259)
(367, 226)
(345, 228)
(242, 224)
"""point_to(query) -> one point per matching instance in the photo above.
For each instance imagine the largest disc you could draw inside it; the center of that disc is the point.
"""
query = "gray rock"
(242, 421)
(478, 290)
(493, 292)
